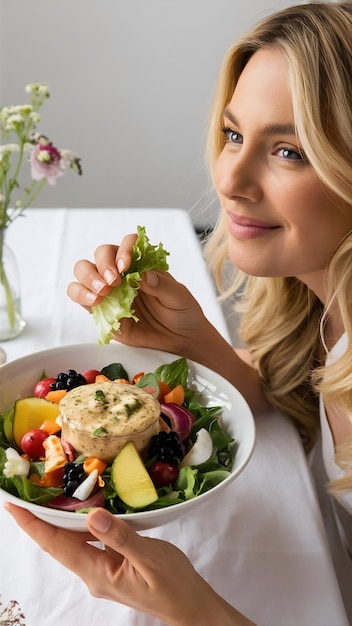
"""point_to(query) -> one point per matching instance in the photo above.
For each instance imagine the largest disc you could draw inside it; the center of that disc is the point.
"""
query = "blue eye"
(291, 155)
(231, 136)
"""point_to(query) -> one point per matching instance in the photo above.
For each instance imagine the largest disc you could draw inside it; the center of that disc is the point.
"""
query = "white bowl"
(17, 379)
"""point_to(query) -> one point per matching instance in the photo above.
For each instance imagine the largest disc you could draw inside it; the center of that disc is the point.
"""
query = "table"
(261, 544)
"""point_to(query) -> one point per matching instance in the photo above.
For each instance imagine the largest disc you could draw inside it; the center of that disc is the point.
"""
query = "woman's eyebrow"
(269, 129)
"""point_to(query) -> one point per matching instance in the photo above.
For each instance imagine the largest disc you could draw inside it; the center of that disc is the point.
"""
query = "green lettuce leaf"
(175, 373)
(118, 303)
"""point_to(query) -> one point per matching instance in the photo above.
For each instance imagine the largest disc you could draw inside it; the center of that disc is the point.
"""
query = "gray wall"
(131, 84)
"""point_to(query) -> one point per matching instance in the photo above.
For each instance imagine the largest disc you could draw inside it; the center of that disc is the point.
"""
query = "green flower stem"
(28, 197)
(36, 191)
(4, 281)
(12, 183)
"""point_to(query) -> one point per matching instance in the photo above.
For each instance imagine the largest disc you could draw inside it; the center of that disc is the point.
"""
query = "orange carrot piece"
(176, 395)
(91, 463)
(50, 479)
(122, 381)
(100, 378)
(164, 389)
(34, 478)
(136, 378)
(56, 395)
(50, 427)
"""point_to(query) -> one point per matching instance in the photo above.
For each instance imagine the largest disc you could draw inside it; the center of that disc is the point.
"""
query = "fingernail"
(120, 265)
(109, 276)
(90, 297)
(98, 285)
(100, 521)
(152, 279)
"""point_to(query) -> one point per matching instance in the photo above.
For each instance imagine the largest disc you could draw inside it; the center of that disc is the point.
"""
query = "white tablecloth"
(262, 547)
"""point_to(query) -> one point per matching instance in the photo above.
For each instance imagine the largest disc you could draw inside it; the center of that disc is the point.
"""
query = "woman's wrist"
(212, 609)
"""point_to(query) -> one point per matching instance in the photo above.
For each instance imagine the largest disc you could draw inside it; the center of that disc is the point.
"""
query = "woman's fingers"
(96, 280)
(112, 260)
(122, 260)
(83, 296)
(120, 538)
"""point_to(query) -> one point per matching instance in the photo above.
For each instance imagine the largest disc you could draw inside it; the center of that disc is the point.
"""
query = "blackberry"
(166, 447)
(74, 475)
(68, 380)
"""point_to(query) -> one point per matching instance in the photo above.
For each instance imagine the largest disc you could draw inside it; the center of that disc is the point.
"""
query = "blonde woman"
(280, 152)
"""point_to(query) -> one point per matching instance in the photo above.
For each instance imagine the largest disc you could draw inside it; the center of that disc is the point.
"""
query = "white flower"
(8, 148)
(13, 121)
(25, 109)
(35, 117)
(15, 464)
(67, 158)
(41, 88)
(9, 110)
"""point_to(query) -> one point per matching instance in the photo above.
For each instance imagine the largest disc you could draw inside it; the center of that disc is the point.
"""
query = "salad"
(189, 455)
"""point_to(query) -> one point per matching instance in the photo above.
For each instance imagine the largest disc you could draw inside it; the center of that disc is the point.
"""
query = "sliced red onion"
(181, 419)
(64, 503)
(68, 449)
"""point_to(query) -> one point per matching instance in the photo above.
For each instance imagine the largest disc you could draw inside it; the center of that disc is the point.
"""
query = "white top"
(261, 544)
(332, 469)
(337, 510)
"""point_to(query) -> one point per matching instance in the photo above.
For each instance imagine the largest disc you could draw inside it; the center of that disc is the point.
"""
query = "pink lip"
(243, 227)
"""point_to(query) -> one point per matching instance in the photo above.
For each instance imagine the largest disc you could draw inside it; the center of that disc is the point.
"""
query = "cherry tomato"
(90, 375)
(32, 443)
(42, 387)
(163, 474)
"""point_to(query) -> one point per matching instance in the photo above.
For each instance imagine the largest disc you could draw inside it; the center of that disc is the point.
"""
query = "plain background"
(131, 85)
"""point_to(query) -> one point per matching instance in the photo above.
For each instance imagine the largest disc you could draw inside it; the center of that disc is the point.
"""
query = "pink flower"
(46, 163)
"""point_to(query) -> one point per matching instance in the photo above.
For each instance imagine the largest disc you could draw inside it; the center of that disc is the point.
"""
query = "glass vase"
(11, 322)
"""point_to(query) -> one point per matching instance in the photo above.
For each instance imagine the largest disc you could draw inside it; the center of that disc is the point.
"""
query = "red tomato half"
(42, 387)
(90, 375)
(163, 474)
(32, 443)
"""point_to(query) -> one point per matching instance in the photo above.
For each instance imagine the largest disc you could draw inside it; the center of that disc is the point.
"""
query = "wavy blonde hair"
(282, 319)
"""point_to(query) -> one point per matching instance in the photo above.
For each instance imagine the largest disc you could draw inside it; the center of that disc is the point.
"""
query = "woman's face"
(281, 220)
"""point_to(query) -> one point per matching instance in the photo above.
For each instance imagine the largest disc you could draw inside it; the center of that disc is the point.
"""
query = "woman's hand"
(170, 317)
(149, 575)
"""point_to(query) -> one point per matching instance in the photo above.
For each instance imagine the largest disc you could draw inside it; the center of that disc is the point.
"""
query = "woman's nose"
(237, 177)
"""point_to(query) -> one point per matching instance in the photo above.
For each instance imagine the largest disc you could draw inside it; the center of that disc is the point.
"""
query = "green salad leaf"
(175, 373)
(118, 303)
(115, 370)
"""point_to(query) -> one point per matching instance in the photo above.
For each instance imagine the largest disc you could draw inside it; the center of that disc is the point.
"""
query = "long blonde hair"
(282, 320)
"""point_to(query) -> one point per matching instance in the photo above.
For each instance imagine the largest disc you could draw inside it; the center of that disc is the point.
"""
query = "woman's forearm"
(209, 348)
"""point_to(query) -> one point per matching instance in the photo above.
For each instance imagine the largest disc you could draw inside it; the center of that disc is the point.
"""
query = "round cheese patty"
(100, 418)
